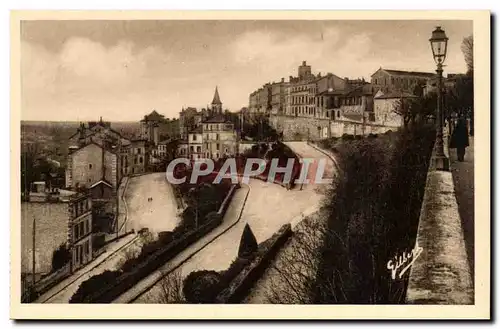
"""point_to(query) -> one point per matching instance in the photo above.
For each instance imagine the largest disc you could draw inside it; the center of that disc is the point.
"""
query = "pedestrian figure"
(460, 137)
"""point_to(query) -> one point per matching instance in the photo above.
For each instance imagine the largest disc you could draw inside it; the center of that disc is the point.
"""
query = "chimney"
(303, 63)
(282, 79)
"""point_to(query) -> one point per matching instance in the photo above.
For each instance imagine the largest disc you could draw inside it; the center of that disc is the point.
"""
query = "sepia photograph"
(282, 160)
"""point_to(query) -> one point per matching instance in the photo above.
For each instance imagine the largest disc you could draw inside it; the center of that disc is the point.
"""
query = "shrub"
(202, 287)
(60, 257)
(95, 283)
(372, 216)
(248, 242)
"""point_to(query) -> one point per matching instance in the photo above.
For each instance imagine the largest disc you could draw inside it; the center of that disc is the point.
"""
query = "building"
(161, 149)
(44, 224)
(150, 127)
(80, 226)
(219, 137)
(386, 105)
(90, 164)
(155, 128)
(190, 118)
(277, 91)
(138, 156)
(195, 143)
(387, 80)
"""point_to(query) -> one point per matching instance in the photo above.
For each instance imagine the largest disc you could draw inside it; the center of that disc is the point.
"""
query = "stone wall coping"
(441, 273)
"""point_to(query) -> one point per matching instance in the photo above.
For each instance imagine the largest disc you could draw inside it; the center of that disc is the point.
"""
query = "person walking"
(460, 137)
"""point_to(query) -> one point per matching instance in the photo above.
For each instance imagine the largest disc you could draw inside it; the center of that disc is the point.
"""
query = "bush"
(95, 283)
(60, 257)
(373, 216)
(248, 242)
(202, 287)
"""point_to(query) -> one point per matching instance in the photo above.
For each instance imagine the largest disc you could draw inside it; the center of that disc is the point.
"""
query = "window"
(75, 232)
(90, 166)
(77, 258)
(217, 147)
(81, 229)
(217, 136)
(86, 226)
(89, 180)
(194, 137)
(135, 161)
(140, 159)
(139, 151)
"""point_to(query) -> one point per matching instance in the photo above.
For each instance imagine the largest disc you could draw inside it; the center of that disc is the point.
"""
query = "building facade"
(385, 108)
(80, 229)
(387, 80)
(219, 138)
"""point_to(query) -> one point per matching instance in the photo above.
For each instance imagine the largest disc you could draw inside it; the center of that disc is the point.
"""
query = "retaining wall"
(240, 286)
(441, 273)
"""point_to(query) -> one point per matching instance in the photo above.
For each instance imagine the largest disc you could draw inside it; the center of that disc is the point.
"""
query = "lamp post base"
(440, 162)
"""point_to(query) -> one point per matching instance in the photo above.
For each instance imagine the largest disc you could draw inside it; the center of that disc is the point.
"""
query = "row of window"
(303, 88)
(302, 100)
(81, 229)
(79, 208)
(406, 82)
(81, 251)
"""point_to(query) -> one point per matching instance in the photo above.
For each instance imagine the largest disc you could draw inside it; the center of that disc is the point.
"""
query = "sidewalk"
(68, 286)
(463, 178)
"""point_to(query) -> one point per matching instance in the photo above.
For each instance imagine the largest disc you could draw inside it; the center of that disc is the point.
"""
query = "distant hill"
(51, 137)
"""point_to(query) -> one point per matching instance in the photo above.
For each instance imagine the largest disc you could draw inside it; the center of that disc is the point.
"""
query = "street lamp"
(439, 43)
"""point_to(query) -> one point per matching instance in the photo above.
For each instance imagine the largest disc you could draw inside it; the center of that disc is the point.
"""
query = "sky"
(122, 70)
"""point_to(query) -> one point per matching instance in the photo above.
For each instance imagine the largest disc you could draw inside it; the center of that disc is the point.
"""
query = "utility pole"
(33, 251)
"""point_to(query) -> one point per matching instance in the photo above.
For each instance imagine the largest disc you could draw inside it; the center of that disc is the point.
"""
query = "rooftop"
(412, 73)
(396, 94)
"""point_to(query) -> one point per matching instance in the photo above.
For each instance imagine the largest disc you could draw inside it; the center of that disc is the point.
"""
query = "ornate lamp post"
(439, 43)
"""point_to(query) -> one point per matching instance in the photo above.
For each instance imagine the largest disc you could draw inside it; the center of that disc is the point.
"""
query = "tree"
(60, 257)
(414, 109)
(467, 48)
(201, 287)
(293, 274)
(467, 89)
(171, 288)
(248, 242)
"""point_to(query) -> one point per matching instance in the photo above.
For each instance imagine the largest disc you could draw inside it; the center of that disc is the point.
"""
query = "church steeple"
(216, 103)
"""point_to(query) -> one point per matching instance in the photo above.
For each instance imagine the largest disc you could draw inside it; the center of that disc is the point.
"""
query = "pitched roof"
(102, 181)
(153, 116)
(412, 73)
(396, 94)
(216, 99)
(216, 119)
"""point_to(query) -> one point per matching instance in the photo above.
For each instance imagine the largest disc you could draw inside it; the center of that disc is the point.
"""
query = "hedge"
(153, 255)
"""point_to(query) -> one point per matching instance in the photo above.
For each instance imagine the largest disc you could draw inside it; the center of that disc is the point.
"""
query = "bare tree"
(171, 288)
(293, 274)
(467, 48)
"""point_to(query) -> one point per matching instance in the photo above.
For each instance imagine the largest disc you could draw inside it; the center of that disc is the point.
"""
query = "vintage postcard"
(268, 165)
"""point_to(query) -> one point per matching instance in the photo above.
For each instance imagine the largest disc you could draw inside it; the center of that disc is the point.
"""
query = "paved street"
(463, 177)
(160, 214)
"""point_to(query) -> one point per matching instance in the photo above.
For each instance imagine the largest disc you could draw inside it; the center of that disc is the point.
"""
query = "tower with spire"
(216, 103)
